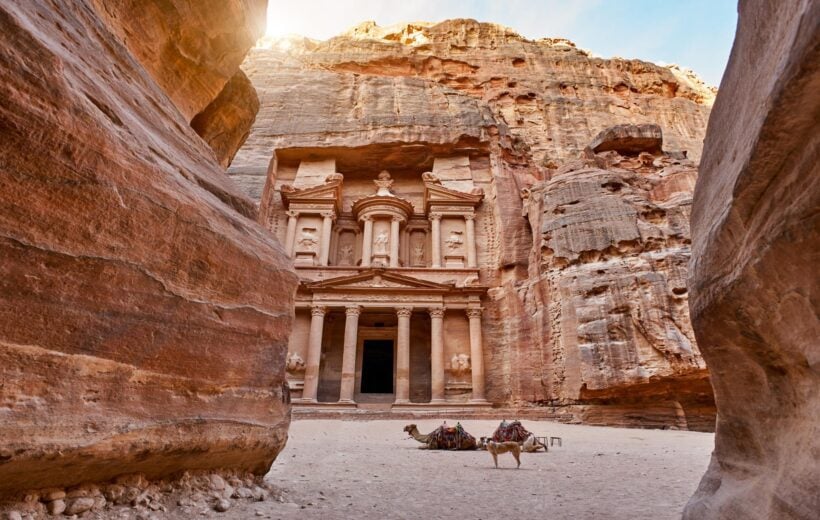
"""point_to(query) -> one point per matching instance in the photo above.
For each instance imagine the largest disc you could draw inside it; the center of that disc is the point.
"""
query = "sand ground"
(355, 469)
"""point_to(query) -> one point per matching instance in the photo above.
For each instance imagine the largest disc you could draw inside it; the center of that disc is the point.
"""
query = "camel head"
(409, 428)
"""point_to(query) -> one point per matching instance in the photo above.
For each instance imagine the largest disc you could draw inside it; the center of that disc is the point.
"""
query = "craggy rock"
(629, 139)
(395, 97)
(226, 122)
(143, 316)
(753, 276)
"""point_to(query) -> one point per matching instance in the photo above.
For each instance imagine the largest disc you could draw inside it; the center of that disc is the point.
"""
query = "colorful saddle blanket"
(451, 438)
(513, 431)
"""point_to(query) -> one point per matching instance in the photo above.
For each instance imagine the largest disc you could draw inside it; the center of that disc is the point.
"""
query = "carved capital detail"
(474, 313)
(435, 216)
(469, 216)
(366, 218)
(318, 310)
(353, 310)
(404, 312)
(292, 214)
(328, 214)
(397, 219)
(436, 312)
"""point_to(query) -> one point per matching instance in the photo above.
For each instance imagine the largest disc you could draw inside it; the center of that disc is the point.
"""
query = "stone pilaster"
(314, 356)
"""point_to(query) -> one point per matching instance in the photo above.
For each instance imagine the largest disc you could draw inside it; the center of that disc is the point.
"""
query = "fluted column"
(324, 247)
(469, 220)
(314, 355)
(476, 355)
(367, 242)
(293, 217)
(349, 353)
(394, 242)
(403, 356)
(435, 220)
(437, 354)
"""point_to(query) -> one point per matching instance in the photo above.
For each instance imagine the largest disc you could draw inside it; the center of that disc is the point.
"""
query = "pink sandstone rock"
(753, 277)
(143, 312)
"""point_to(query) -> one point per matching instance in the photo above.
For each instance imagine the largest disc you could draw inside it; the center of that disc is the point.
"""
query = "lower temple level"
(426, 351)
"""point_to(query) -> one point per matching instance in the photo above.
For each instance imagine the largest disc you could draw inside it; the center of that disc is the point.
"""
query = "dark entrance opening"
(377, 366)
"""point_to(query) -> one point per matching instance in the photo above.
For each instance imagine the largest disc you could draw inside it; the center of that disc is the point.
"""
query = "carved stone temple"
(389, 307)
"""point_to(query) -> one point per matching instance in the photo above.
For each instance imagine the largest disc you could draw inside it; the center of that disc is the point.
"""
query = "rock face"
(588, 304)
(143, 315)
(753, 276)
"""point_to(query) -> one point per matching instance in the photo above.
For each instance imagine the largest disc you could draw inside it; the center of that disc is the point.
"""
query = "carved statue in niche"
(294, 363)
(460, 364)
(455, 240)
(380, 244)
(346, 255)
(418, 254)
(308, 240)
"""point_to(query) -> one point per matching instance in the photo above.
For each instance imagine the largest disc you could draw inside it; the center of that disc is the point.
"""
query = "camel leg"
(516, 454)
(495, 459)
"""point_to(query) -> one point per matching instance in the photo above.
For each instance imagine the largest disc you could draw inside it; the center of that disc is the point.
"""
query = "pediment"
(329, 192)
(435, 194)
(377, 279)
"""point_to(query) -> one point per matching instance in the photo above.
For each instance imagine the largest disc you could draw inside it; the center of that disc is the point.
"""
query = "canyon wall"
(753, 276)
(587, 311)
(144, 314)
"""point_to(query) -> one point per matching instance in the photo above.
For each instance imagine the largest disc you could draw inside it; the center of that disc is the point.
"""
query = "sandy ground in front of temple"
(371, 469)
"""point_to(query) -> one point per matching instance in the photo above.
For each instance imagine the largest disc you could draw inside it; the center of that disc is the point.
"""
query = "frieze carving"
(308, 239)
(294, 363)
(455, 240)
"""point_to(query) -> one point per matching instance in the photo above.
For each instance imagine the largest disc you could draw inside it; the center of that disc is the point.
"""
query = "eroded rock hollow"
(586, 167)
(144, 314)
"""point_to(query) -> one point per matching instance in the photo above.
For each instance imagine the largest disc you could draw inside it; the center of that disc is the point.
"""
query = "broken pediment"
(330, 192)
(436, 194)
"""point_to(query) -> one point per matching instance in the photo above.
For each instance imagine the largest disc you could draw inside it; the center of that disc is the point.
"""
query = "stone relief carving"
(418, 254)
(384, 183)
(455, 240)
(460, 364)
(380, 243)
(346, 255)
(430, 177)
(294, 363)
(308, 239)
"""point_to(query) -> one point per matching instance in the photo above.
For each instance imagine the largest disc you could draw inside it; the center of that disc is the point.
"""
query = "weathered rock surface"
(753, 276)
(394, 97)
(143, 315)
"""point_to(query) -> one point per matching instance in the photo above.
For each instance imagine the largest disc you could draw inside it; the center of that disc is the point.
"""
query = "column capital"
(404, 312)
(474, 312)
(436, 312)
(398, 219)
(366, 218)
(318, 310)
(435, 216)
(328, 214)
(292, 213)
(353, 310)
(469, 216)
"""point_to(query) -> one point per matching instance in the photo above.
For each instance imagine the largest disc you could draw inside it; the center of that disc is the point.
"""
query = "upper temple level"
(427, 218)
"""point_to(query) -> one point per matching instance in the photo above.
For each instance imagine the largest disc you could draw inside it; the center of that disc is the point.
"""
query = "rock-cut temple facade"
(389, 307)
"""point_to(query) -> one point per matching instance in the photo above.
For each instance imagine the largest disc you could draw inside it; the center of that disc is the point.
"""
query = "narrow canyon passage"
(351, 469)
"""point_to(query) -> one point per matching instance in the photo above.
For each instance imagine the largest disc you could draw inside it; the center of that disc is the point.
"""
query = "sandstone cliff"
(524, 108)
(143, 315)
(753, 276)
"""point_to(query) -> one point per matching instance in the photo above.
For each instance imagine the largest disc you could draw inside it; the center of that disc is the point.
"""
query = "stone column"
(469, 220)
(437, 354)
(367, 242)
(324, 246)
(349, 353)
(435, 220)
(394, 242)
(314, 355)
(293, 217)
(476, 355)
(403, 356)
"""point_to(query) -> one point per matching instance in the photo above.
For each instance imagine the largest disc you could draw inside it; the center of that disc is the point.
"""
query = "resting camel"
(443, 438)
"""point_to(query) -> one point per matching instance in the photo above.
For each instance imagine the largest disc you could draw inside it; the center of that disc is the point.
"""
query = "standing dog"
(497, 448)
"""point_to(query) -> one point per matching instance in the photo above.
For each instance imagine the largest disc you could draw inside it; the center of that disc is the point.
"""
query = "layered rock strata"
(515, 111)
(143, 315)
(753, 276)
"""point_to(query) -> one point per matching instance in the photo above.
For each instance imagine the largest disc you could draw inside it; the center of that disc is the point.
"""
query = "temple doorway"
(377, 366)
